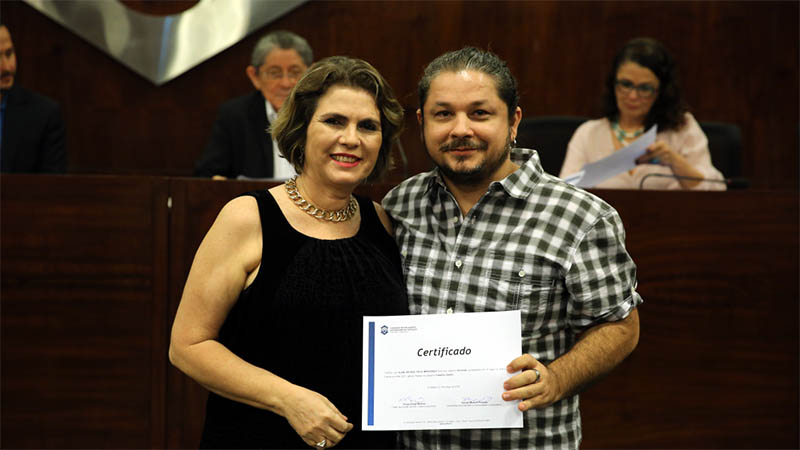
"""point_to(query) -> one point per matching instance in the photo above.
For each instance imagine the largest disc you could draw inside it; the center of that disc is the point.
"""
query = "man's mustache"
(462, 143)
(5, 74)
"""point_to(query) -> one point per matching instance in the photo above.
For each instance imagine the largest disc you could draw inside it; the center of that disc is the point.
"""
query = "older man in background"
(241, 145)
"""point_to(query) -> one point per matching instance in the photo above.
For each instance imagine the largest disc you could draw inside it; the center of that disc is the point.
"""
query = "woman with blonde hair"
(271, 315)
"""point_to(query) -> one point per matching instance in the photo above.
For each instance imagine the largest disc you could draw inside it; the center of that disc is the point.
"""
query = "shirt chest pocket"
(530, 285)
(519, 289)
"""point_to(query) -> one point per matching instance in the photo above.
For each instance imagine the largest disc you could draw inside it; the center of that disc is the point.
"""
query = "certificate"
(439, 371)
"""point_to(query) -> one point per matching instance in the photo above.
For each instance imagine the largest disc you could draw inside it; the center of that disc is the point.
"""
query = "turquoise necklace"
(624, 137)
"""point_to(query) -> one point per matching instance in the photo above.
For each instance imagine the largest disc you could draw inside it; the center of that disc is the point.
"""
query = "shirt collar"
(522, 181)
(271, 113)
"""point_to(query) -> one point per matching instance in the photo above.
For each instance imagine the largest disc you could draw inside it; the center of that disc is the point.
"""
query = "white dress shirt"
(282, 169)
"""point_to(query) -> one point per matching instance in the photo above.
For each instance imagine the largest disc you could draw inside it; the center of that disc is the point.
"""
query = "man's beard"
(480, 173)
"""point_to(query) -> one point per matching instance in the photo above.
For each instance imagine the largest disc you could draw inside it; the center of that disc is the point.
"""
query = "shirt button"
(459, 263)
(455, 219)
(449, 310)
(521, 273)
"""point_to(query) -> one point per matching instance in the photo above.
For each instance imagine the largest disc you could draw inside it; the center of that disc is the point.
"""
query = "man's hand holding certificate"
(439, 371)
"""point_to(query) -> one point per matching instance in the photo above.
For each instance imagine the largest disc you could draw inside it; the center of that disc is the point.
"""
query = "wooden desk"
(716, 365)
(91, 271)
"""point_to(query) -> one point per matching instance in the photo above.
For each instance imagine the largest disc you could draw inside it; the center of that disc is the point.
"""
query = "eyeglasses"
(643, 90)
(276, 74)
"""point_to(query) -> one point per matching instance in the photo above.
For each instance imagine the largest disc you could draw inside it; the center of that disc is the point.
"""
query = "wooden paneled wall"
(93, 268)
(84, 311)
(738, 62)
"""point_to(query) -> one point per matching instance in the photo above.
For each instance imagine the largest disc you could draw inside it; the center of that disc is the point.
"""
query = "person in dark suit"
(31, 127)
(240, 144)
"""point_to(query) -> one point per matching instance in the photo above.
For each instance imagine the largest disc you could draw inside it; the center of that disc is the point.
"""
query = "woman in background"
(642, 89)
(270, 320)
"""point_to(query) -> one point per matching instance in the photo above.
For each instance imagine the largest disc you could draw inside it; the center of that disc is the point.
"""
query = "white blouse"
(594, 140)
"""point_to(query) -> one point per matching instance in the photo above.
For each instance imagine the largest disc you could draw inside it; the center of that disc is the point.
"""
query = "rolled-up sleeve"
(601, 278)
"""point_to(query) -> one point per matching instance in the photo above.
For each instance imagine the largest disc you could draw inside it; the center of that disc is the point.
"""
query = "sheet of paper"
(618, 162)
(439, 371)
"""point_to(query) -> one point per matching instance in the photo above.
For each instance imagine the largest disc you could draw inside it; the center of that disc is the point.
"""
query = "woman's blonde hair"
(290, 128)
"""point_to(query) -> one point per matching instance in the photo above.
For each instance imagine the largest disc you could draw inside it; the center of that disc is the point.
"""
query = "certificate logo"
(384, 330)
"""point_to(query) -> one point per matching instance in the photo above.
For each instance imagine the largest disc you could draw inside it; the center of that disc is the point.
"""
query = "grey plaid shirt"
(532, 243)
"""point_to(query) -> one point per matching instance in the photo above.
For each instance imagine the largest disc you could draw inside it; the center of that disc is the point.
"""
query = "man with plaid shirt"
(489, 230)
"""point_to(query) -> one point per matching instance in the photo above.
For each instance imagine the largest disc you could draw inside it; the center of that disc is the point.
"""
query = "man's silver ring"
(538, 376)
(322, 443)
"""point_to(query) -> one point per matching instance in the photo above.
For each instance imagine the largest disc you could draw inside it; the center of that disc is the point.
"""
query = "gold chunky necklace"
(341, 215)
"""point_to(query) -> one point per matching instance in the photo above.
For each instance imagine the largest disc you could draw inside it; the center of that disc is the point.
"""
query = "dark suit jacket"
(34, 137)
(240, 143)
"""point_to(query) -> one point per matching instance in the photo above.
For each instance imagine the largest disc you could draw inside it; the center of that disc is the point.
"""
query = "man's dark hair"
(471, 58)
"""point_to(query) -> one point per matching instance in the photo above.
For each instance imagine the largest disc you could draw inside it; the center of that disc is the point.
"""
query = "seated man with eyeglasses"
(241, 145)
(642, 90)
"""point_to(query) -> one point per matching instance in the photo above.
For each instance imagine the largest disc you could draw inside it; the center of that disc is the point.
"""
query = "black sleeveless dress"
(301, 319)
